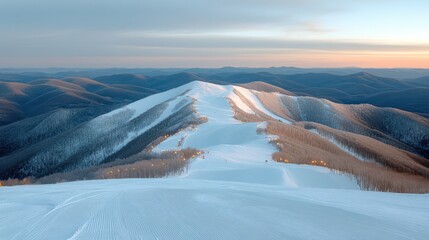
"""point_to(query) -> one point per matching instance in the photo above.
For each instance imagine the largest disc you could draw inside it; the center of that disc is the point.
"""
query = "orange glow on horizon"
(349, 59)
(304, 59)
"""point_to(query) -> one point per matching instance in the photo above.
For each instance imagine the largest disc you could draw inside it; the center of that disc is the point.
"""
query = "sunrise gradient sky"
(209, 33)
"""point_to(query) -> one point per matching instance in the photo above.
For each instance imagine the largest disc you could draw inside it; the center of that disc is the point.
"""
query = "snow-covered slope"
(201, 209)
(109, 136)
(235, 151)
(232, 191)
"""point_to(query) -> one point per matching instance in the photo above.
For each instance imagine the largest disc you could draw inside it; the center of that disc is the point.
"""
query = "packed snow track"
(199, 209)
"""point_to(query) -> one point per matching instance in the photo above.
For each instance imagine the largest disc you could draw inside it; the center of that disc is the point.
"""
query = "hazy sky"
(214, 33)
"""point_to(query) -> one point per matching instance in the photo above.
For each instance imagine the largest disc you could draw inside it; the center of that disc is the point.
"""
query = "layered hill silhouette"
(21, 100)
(28, 95)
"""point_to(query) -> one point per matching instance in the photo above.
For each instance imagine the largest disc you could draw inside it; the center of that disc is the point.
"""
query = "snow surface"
(196, 209)
(236, 152)
(248, 94)
(234, 192)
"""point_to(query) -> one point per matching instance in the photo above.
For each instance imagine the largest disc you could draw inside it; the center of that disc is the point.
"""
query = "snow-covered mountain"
(233, 189)
(127, 131)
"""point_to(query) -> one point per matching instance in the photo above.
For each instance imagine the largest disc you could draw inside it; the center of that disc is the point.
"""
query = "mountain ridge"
(360, 87)
(128, 130)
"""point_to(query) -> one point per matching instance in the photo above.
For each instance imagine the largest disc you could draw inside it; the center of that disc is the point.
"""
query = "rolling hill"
(421, 81)
(29, 94)
(22, 100)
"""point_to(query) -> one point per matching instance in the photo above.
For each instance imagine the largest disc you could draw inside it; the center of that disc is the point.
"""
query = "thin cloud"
(223, 30)
(190, 15)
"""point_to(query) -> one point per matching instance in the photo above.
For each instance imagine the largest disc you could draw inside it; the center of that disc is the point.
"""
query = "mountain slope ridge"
(129, 129)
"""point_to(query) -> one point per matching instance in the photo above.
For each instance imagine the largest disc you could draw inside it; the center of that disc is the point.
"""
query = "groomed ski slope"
(233, 193)
(201, 209)
(236, 152)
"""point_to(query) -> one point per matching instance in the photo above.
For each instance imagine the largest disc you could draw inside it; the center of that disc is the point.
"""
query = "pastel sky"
(214, 33)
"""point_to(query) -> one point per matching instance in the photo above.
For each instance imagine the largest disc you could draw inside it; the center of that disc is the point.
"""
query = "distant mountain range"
(398, 73)
(24, 95)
